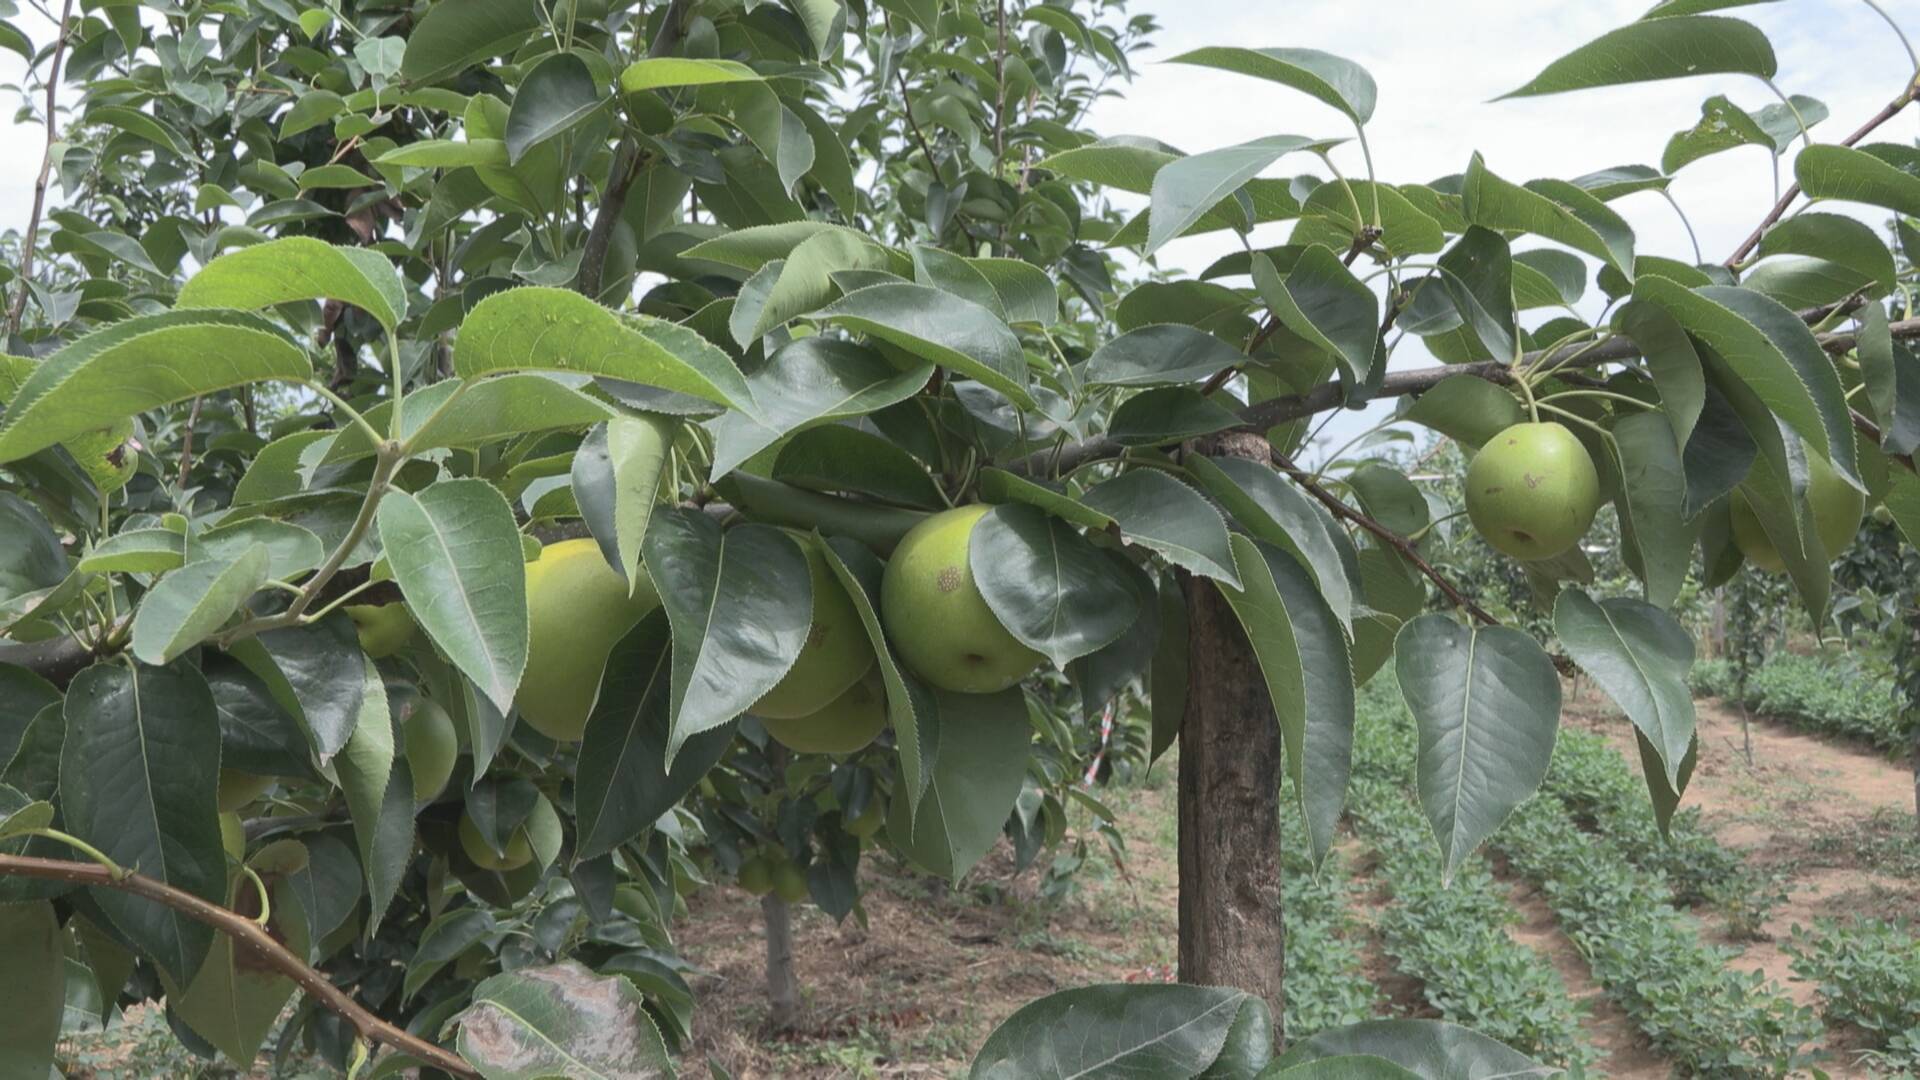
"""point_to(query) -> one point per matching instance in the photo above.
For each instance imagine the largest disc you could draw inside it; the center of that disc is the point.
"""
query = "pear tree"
(527, 461)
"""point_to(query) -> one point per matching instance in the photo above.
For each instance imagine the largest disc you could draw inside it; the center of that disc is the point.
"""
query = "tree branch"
(1886, 113)
(248, 934)
(906, 109)
(1331, 396)
(627, 161)
(32, 237)
(1387, 536)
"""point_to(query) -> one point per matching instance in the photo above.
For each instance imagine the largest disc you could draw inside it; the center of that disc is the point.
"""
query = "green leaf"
(975, 778)
(940, 328)
(291, 550)
(752, 248)
(1343, 1067)
(557, 94)
(1653, 503)
(739, 611)
(1162, 354)
(623, 784)
(813, 380)
(33, 993)
(1478, 276)
(331, 178)
(314, 672)
(1129, 1029)
(455, 412)
(297, 268)
(1186, 188)
(191, 603)
(859, 571)
(1428, 1048)
(142, 363)
(1724, 126)
(1466, 408)
(542, 329)
(137, 777)
(1275, 512)
(366, 764)
(658, 72)
(455, 553)
(1321, 300)
(1640, 656)
(1835, 238)
(1672, 361)
(561, 1020)
(441, 943)
(235, 1001)
(1487, 704)
(1303, 657)
(18, 815)
(1335, 80)
(446, 153)
(775, 130)
(32, 559)
(1553, 209)
(616, 477)
(136, 551)
(841, 457)
(456, 34)
(310, 110)
(1773, 353)
(1048, 585)
(1168, 518)
(143, 126)
(1671, 48)
(801, 283)
(1168, 414)
(1826, 171)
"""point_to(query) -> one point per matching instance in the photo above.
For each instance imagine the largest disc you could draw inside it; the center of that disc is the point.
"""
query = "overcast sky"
(1438, 64)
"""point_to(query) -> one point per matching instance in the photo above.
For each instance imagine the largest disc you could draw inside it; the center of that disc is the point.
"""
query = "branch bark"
(1329, 396)
(1232, 928)
(1888, 112)
(1386, 536)
(32, 236)
(627, 160)
(250, 935)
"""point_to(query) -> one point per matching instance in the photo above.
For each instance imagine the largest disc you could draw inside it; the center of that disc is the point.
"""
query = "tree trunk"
(1231, 927)
(783, 991)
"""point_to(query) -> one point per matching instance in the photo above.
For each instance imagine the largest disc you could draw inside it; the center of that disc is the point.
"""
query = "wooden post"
(1231, 928)
(783, 991)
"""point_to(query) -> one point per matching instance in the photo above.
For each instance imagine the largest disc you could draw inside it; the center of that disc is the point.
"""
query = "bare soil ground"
(1816, 812)
(915, 991)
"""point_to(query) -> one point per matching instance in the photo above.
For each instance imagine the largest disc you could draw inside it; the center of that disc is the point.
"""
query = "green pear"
(578, 609)
(1532, 491)
(519, 846)
(869, 821)
(756, 875)
(431, 747)
(237, 788)
(789, 881)
(842, 726)
(1836, 508)
(936, 617)
(837, 651)
(384, 629)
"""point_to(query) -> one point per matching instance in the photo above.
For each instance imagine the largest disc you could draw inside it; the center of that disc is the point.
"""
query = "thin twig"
(186, 443)
(1887, 112)
(248, 934)
(906, 107)
(1394, 540)
(1326, 396)
(32, 237)
(628, 163)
